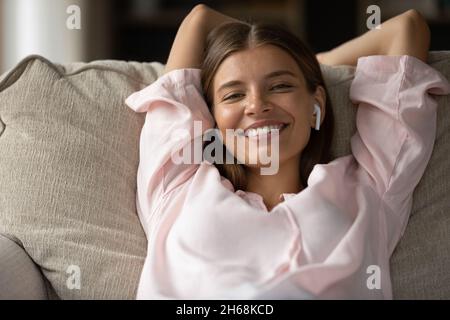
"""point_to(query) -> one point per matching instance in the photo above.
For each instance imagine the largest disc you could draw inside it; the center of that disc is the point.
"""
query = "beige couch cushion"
(68, 167)
(69, 155)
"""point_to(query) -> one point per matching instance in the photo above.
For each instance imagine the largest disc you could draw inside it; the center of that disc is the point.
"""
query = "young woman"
(314, 228)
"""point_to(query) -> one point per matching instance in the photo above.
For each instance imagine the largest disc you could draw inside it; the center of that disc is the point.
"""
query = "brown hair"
(236, 36)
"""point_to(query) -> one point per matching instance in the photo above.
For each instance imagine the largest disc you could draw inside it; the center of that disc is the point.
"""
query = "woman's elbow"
(418, 23)
(413, 36)
(198, 12)
(197, 17)
(416, 34)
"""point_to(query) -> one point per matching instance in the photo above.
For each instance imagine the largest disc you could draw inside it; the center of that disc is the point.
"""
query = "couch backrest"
(69, 156)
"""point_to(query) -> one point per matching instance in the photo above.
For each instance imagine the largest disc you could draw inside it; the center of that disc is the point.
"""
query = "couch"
(69, 150)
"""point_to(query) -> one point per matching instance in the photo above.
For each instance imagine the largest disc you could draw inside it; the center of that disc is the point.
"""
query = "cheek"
(298, 108)
(227, 117)
(302, 127)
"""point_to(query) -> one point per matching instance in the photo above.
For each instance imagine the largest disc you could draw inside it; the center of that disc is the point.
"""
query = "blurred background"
(143, 30)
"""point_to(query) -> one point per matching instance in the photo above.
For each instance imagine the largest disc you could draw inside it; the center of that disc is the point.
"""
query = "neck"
(271, 187)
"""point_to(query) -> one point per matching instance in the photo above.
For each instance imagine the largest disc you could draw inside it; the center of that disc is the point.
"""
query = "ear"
(319, 98)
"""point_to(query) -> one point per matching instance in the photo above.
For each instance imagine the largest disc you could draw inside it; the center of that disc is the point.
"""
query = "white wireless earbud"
(317, 113)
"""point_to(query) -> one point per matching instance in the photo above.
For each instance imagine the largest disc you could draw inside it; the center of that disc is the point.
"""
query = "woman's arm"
(189, 43)
(405, 34)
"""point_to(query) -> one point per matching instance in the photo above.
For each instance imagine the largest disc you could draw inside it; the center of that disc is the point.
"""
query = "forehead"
(254, 63)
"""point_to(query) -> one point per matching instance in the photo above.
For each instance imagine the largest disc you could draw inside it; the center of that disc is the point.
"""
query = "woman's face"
(264, 87)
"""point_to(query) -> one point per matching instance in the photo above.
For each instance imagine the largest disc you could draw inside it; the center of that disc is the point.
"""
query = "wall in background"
(323, 24)
(143, 30)
(39, 27)
(338, 21)
(330, 23)
(436, 12)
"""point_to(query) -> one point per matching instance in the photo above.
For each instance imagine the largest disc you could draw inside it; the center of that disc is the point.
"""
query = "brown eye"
(281, 86)
(233, 96)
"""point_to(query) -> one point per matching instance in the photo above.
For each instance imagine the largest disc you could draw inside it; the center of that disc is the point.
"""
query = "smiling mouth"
(263, 131)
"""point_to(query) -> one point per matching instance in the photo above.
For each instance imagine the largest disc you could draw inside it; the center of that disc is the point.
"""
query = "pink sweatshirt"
(333, 240)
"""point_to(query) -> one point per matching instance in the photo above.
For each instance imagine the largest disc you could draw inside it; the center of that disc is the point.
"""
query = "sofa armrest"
(20, 277)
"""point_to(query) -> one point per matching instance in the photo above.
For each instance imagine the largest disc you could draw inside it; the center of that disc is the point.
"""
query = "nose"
(256, 103)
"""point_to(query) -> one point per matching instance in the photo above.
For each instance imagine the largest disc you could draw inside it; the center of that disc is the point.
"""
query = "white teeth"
(262, 130)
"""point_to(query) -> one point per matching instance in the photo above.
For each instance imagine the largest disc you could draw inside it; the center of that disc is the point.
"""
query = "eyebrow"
(274, 74)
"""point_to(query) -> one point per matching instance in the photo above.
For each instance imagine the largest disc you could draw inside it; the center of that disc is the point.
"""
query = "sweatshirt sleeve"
(396, 127)
(177, 115)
